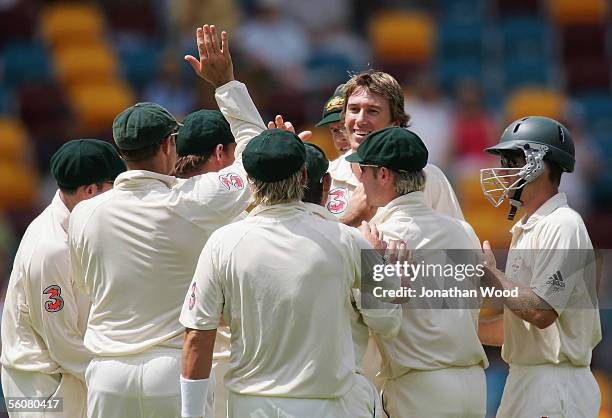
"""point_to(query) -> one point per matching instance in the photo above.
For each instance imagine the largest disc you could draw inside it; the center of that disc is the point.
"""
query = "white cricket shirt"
(384, 320)
(135, 248)
(435, 338)
(44, 315)
(282, 280)
(551, 253)
(438, 193)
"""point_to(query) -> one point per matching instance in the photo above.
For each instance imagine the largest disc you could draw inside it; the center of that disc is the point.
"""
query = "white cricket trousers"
(362, 401)
(23, 384)
(144, 385)
(454, 392)
(548, 390)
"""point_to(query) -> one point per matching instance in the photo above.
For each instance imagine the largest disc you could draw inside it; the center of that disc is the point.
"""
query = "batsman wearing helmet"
(551, 324)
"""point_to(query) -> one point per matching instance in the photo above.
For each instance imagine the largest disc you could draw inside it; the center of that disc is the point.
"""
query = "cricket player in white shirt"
(375, 100)
(135, 249)
(205, 144)
(435, 366)
(292, 350)
(45, 315)
(551, 325)
(384, 321)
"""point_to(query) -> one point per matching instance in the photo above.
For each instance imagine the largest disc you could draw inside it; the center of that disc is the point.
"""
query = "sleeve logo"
(55, 302)
(556, 282)
(231, 181)
(337, 201)
(192, 296)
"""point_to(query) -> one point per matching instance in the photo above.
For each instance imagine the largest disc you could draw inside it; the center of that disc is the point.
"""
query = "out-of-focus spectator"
(473, 127)
(271, 40)
(430, 118)
(318, 15)
(168, 89)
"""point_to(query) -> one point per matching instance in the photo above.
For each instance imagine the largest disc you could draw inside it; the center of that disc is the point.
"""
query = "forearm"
(239, 110)
(526, 305)
(198, 353)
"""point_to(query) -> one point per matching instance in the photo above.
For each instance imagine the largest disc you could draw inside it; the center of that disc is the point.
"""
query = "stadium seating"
(13, 140)
(564, 12)
(535, 101)
(407, 37)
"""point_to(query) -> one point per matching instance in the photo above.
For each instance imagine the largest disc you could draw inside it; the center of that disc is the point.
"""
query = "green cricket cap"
(332, 111)
(202, 131)
(394, 147)
(142, 125)
(274, 155)
(85, 161)
(317, 163)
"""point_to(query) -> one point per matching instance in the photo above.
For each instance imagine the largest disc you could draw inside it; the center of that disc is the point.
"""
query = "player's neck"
(534, 202)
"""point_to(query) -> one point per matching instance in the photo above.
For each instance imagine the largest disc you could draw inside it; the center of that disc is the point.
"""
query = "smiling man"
(375, 100)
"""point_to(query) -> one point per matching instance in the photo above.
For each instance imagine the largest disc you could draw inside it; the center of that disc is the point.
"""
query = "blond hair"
(406, 182)
(287, 190)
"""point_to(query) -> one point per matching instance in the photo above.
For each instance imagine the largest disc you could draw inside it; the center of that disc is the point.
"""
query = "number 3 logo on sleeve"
(55, 302)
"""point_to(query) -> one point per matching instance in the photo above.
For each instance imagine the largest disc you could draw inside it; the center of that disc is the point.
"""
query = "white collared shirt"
(438, 193)
(135, 248)
(551, 252)
(384, 320)
(433, 338)
(282, 280)
(44, 315)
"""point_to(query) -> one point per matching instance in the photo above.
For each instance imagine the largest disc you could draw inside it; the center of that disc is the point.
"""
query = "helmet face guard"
(497, 183)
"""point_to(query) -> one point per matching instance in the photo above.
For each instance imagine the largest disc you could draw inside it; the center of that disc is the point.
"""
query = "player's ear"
(326, 182)
(219, 151)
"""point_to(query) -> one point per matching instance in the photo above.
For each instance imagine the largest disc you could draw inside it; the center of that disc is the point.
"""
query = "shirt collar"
(61, 211)
(408, 202)
(320, 211)
(280, 210)
(340, 170)
(557, 201)
(127, 179)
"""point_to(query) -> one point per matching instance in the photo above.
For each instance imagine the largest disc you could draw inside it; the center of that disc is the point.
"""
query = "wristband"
(193, 397)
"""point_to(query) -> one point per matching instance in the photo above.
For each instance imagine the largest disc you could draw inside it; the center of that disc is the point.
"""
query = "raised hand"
(288, 126)
(215, 63)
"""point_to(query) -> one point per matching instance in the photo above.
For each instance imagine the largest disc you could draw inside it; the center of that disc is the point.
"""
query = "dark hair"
(554, 172)
(313, 193)
(141, 154)
(71, 191)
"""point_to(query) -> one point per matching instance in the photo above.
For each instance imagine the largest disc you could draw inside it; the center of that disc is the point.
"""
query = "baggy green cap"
(332, 111)
(85, 161)
(274, 155)
(202, 131)
(142, 125)
(394, 147)
(317, 163)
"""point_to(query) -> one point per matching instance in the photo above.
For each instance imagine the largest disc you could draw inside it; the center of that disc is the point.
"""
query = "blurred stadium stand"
(68, 67)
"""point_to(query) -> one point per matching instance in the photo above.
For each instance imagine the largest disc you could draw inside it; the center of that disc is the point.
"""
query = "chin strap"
(515, 200)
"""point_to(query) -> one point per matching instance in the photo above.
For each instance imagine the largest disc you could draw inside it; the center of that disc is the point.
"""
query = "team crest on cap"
(336, 102)
(338, 200)
(231, 181)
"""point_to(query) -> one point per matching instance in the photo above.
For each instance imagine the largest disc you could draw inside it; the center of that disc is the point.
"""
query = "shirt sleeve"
(204, 301)
(564, 271)
(226, 193)
(60, 312)
(439, 193)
